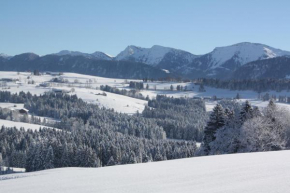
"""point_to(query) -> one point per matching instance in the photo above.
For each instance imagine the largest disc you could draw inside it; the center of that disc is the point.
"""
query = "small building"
(23, 111)
(45, 84)
(54, 73)
(55, 90)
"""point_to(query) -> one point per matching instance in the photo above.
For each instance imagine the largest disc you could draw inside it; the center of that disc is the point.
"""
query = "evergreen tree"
(49, 159)
(111, 161)
(147, 86)
(246, 112)
(216, 121)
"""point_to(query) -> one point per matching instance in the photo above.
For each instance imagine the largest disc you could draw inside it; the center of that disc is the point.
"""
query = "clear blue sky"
(197, 26)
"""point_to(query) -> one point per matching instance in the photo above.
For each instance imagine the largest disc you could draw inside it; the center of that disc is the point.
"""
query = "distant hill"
(269, 68)
(154, 62)
(81, 64)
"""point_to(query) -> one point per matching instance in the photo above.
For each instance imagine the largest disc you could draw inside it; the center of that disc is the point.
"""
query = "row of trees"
(258, 85)
(130, 93)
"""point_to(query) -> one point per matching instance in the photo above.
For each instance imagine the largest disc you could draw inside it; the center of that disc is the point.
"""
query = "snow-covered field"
(14, 169)
(236, 173)
(78, 82)
(87, 88)
(19, 125)
(163, 88)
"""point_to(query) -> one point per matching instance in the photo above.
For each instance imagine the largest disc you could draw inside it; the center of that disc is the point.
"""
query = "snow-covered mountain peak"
(71, 53)
(4, 55)
(152, 56)
(101, 56)
(243, 53)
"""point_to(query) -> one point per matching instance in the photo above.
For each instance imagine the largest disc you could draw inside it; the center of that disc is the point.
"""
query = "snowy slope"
(19, 125)
(117, 102)
(223, 61)
(122, 103)
(236, 173)
(243, 53)
(4, 55)
(152, 56)
(95, 55)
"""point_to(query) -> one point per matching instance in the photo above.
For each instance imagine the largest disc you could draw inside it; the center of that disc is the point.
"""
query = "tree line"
(258, 85)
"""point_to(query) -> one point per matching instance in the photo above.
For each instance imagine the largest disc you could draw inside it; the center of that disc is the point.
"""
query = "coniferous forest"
(86, 135)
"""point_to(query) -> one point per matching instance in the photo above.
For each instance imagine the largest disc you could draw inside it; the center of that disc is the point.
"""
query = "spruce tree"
(49, 159)
(216, 121)
(246, 112)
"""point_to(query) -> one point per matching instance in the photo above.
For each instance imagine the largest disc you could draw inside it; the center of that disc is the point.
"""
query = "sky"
(197, 26)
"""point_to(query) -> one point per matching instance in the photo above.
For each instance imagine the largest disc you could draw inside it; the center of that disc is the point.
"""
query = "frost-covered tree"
(216, 121)
(49, 159)
(261, 134)
(246, 112)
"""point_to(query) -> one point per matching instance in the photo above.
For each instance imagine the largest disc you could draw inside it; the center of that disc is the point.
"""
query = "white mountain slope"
(4, 55)
(95, 55)
(243, 53)
(235, 173)
(152, 56)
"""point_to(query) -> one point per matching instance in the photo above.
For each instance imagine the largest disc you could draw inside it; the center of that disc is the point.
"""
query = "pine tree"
(30, 159)
(111, 161)
(147, 86)
(216, 121)
(246, 112)
(65, 161)
(49, 159)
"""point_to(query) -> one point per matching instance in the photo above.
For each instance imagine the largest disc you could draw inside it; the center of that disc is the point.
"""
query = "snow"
(117, 102)
(167, 71)
(163, 88)
(122, 103)
(151, 56)
(4, 55)
(235, 173)
(12, 105)
(244, 53)
(14, 169)
(19, 125)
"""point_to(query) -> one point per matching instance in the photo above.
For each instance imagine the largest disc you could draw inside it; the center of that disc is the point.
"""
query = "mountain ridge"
(221, 62)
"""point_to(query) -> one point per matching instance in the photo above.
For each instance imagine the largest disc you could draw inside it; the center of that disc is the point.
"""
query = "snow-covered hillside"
(243, 53)
(120, 103)
(86, 87)
(19, 125)
(152, 56)
(222, 61)
(236, 173)
(4, 55)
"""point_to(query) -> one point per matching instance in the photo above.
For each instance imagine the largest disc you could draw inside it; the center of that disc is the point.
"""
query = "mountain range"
(223, 62)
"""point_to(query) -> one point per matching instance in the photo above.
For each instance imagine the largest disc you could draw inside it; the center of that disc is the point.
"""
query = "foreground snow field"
(236, 173)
